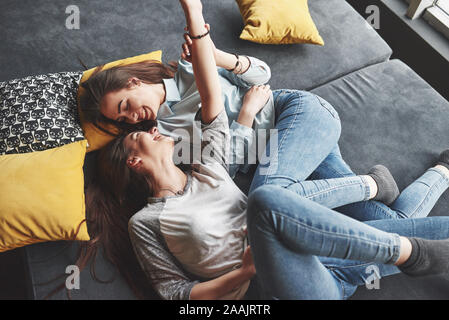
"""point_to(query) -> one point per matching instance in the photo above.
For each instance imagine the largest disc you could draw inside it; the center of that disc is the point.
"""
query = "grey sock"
(444, 158)
(428, 257)
(387, 189)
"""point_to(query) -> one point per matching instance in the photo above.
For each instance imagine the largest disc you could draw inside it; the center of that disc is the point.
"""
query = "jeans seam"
(396, 249)
(367, 188)
(342, 286)
(338, 172)
(281, 92)
(395, 253)
(334, 267)
(331, 189)
(337, 277)
(284, 136)
(421, 204)
(334, 114)
(441, 173)
(426, 198)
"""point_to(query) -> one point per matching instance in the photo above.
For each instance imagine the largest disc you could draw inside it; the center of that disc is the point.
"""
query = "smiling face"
(148, 148)
(138, 102)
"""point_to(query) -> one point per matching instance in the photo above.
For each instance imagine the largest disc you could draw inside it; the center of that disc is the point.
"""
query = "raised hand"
(186, 53)
(203, 62)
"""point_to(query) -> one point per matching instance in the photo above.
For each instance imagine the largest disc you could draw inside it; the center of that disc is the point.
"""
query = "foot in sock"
(428, 257)
(387, 189)
(443, 159)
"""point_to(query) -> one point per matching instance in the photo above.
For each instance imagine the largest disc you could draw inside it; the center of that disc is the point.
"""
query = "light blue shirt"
(177, 114)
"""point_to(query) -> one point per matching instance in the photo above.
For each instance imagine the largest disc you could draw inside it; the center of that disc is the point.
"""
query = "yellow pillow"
(95, 136)
(278, 22)
(42, 196)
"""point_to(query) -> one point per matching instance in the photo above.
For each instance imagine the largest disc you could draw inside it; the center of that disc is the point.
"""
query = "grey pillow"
(39, 112)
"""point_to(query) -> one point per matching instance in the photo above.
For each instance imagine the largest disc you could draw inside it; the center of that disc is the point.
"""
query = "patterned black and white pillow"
(39, 112)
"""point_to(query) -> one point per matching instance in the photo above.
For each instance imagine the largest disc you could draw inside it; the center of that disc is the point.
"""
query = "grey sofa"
(389, 114)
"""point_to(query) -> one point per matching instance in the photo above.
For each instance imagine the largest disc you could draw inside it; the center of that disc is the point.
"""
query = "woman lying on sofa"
(190, 235)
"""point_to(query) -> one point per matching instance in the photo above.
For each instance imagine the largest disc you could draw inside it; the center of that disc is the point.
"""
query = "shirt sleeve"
(159, 265)
(258, 73)
(184, 76)
(215, 140)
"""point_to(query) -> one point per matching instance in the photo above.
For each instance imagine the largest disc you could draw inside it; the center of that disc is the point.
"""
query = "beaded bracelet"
(236, 64)
(200, 36)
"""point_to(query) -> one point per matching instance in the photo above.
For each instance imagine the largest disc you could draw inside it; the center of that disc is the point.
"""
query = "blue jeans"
(307, 148)
(316, 252)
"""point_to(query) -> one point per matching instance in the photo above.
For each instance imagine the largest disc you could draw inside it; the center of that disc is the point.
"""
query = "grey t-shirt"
(197, 235)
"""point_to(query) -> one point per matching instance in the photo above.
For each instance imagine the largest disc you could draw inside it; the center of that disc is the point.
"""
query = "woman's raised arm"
(203, 62)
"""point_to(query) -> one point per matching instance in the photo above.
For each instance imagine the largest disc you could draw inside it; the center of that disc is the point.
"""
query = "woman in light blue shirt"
(146, 91)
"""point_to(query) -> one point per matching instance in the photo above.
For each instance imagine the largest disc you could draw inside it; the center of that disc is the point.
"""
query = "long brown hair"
(114, 193)
(113, 196)
(102, 82)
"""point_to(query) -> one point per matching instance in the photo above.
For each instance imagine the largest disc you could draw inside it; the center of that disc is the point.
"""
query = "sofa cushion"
(42, 196)
(105, 34)
(280, 22)
(391, 116)
(39, 112)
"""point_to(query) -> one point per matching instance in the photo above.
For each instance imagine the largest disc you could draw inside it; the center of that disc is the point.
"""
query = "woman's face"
(138, 102)
(147, 148)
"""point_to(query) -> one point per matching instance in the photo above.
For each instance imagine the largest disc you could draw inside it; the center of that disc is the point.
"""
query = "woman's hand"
(187, 45)
(248, 267)
(219, 287)
(253, 102)
(222, 59)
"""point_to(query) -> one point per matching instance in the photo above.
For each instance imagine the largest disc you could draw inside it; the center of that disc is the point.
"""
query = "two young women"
(190, 237)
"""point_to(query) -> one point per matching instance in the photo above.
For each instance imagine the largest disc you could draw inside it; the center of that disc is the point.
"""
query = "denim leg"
(335, 167)
(307, 128)
(420, 197)
(293, 231)
(333, 193)
(308, 227)
(352, 274)
(332, 167)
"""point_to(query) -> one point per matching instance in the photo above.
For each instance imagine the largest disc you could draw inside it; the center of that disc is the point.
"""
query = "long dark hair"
(102, 82)
(113, 195)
